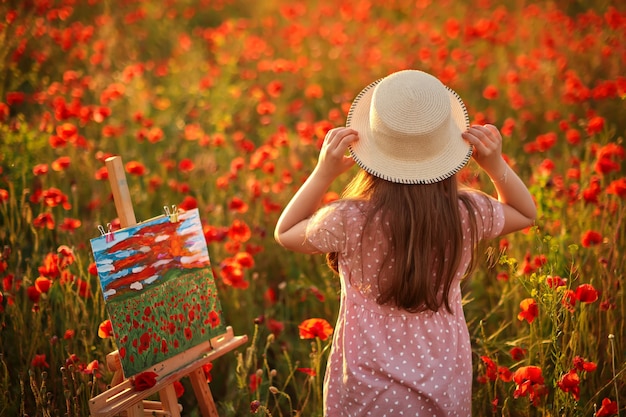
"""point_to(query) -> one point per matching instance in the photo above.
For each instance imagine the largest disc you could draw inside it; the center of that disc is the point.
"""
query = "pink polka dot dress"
(385, 361)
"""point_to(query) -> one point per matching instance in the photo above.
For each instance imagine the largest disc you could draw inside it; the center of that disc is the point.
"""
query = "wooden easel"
(122, 398)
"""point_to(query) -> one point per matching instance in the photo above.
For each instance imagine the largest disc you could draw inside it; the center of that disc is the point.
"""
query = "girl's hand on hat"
(487, 143)
(333, 160)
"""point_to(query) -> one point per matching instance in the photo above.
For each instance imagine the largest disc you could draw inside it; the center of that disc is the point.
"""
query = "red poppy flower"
(44, 220)
(206, 368)
(61, 164)
(595, 125)
(145, 380)
(617, 187)
(555, 281)
(253, 382)
(238, 205)
(186, 165)
(69, 334)
(573, 136)
(179, 389)
(308, 371)
(490, 92)
(529, 382)
(69, 224)
(582, 365)
(570, 382)
(15, 97)
(82, 287)
(528, 310)
(105, 329)
(517, 353)
(4, 195)
(586, 293)
(239, 231)
(40, 169)
(43, 284)
(569, 300)
(312, 328)
(39, 361)
(244, 259)
(608, 408)
(135, 168)
(188, 203)
(33, 294)
(591, 238)
(275, 326)
(491, 368)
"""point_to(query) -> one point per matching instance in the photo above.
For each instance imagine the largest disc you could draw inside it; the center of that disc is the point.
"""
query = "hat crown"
(409, 115)
(409, 127)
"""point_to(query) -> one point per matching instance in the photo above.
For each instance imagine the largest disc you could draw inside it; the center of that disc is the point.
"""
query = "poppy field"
(221, 106)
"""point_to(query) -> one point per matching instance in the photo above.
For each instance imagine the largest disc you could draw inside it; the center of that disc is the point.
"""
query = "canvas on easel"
(159, 289)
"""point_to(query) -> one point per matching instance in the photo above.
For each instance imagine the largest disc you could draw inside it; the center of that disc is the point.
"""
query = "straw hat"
(410, 127)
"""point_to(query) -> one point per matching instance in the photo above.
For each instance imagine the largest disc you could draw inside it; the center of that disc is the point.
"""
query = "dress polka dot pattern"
(385, 361)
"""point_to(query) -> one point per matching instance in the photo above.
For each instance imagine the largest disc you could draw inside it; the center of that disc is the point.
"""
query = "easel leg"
(203, 393)
(169, 400)
(136, 410)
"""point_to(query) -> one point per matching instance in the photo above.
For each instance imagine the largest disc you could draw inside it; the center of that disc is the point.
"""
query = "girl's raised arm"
(333, 161)
(519, 208)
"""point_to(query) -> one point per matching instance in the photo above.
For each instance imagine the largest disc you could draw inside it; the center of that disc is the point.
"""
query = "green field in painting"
(171, 315)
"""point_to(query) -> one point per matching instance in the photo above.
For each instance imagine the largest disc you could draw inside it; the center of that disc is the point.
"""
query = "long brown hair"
(423, 225)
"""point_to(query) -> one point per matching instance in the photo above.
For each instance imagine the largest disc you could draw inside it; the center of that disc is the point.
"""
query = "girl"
(401, 239)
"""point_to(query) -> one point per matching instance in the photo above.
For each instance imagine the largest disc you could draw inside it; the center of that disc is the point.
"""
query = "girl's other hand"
(487, 143)
(334, 160)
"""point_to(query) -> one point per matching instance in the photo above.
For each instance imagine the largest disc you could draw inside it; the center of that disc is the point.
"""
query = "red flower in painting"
(145, 380)
(528, 310)
(570, 382)
(312, 328)
(105, 329)
(4, 195)
(214, 319)
(188, 333)
(591, 238)
(608, 408)
(586, 293)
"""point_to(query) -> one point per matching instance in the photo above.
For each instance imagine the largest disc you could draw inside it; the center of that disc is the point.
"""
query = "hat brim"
(455, 155)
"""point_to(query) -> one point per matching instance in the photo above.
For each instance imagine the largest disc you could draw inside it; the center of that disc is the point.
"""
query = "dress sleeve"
(490, 215)
(325, 229)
